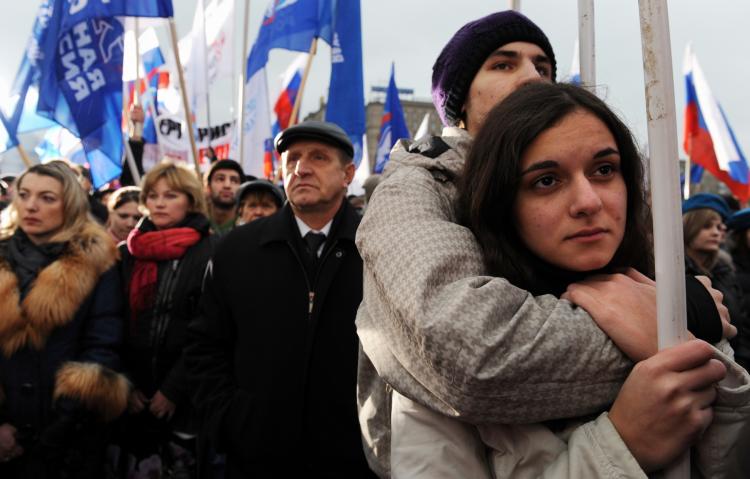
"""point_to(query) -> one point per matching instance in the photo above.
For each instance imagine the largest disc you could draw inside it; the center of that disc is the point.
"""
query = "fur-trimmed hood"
(57, 292)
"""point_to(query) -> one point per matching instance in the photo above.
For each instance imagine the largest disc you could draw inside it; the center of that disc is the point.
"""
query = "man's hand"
(624, 307)
(9, 448)
(136, 114)
(137, 401)
(161, 407)
(665, 404)
(728, 330)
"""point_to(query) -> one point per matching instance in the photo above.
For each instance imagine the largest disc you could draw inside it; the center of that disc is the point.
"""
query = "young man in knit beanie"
(432, 325)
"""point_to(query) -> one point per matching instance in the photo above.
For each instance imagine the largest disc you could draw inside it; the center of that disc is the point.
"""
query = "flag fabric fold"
(392, 126)
(709, 139)
(8, 140)
(346, 98)
(80, 56)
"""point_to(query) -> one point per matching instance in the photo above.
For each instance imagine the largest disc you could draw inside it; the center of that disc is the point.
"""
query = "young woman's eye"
(605, 170)
(48, 199)
(547, 181)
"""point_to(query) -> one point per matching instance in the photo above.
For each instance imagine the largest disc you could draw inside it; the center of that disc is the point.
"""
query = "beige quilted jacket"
(437, 329)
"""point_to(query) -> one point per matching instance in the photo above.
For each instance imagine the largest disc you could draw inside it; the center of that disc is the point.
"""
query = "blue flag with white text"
(392, 126)
(346, 97)
(81, 74)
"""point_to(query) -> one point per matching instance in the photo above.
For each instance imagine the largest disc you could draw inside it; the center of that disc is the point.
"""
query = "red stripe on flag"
(700, 148)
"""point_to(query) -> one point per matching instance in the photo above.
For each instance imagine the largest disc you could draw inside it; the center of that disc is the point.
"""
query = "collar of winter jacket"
(58, 291)
(282, 226)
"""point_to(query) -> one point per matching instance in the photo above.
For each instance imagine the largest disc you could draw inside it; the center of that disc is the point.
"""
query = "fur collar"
(56, 293)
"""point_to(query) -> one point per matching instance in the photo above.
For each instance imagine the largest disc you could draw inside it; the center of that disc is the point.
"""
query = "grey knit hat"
(463, 56)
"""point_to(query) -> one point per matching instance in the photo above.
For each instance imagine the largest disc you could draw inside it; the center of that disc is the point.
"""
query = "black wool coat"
(272, 354)
(161, 368)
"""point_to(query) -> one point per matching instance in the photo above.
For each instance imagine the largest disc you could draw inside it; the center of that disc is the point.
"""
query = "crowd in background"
(488, 310)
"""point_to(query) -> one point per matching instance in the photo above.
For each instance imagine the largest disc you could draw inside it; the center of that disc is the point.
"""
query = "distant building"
(414, 111)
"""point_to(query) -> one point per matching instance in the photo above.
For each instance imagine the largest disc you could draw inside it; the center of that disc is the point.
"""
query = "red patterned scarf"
(148, 248)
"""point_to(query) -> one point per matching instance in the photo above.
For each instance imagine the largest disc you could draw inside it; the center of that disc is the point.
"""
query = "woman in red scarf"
(162, 266)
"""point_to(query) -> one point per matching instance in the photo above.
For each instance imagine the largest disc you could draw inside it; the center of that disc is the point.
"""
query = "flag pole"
(514, 5)
(665, 185)
(205, 72)
(586, 45)
(243, 66)
(24, 156)
(298, 101)
(137, 89)
(686, 187)
(183, 92)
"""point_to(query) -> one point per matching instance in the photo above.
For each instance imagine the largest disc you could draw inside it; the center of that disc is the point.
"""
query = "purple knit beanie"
(461, 58)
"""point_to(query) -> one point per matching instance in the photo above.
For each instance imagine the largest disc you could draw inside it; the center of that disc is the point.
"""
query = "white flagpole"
(514, 5)
(586, 44)
(243, 69)
(205, 70)
(665, 185)
(183, 92)
(298, 100)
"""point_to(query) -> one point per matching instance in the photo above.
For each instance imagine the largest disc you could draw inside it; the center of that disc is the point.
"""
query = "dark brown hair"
(489, 184)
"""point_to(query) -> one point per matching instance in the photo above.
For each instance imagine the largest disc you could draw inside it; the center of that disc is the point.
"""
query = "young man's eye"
(543, 71)
(501, 66)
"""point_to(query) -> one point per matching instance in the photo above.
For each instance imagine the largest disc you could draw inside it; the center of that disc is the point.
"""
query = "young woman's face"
(39, 201)
(571, 204)
(123, 219)
(708, 238)
(166, 207)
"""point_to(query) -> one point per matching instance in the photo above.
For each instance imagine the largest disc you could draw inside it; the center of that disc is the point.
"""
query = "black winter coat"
(272, 355)
(57, 373)
(742, 344)
(152, 368)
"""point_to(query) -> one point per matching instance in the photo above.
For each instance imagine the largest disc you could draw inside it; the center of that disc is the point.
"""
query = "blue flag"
(346, 97)
(21, 115)
(392, 126)
(81, 53)
(7, 139)
(291, 25)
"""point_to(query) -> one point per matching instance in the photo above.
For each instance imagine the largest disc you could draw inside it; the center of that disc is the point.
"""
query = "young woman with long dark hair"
(553, 190)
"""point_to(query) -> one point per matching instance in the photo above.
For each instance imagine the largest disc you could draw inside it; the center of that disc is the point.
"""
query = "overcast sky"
(411, 33)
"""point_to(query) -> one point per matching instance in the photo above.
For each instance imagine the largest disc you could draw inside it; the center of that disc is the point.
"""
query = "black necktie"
(314, 240)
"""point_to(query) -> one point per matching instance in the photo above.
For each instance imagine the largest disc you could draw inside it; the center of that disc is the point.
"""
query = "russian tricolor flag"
(292, 80)
(709, 140)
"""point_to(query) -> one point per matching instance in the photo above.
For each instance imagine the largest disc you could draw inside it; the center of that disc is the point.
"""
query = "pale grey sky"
(412, 32)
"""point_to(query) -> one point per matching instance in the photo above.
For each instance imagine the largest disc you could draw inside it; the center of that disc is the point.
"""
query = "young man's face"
(223, 186)
(506, 69)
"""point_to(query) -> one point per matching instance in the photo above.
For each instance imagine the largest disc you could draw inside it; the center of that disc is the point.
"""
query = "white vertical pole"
(586, 43)
(243, 67)
(665, 185)
(183, 92)
(514, 5)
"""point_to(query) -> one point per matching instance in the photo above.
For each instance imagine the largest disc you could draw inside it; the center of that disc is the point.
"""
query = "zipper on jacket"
(310, 291)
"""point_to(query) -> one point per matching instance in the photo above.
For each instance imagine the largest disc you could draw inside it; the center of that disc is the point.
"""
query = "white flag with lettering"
(256, 128)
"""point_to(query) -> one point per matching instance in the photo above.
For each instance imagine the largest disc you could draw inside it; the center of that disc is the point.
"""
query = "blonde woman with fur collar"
(59, 330)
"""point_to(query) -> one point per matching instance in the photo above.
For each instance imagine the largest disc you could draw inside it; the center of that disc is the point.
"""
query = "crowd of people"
(492, 313)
